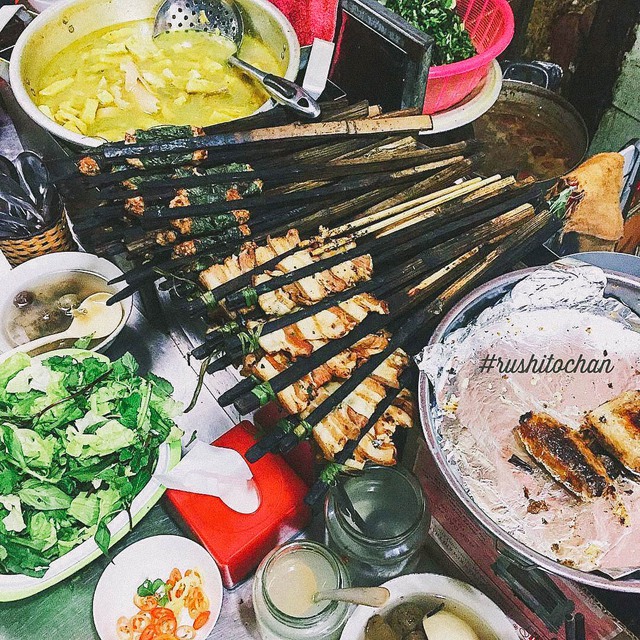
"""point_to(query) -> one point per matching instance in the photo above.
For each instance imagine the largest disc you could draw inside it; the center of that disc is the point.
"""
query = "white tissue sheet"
(558, 310)
(215, 471)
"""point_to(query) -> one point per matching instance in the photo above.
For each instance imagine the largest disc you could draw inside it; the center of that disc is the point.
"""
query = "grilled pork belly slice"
(564, 455)
(616, 426)
(377, 445)
(250, 257)
(347, 419)
(275, 303)
(311, 289)
(297, 396)
(309, 334)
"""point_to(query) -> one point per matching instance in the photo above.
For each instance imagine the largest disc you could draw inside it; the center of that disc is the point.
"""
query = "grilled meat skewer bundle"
(505, 253)
(329, 268)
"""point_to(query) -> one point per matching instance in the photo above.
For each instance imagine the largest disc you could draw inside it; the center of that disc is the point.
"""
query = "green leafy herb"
(43, 496)
(150, 588)
(439, 19)
(83, 343)
(103, 536)
(74, 456)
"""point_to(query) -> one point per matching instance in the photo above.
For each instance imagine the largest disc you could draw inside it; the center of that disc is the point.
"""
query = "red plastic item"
(238, 542)
(491, 26)
(301, 459)
(310, 18)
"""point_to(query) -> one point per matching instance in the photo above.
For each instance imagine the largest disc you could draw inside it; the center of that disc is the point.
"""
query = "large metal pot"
(65, 23)
(532, 130)
(460, 316)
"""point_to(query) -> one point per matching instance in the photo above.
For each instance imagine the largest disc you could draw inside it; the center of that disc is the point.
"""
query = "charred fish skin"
(616, 427)
(561, 452)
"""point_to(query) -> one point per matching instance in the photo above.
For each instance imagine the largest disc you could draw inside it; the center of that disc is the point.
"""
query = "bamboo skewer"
(147, 273)
(392, 283)
(295, 131)
(247, 401)
(451, 192)
(477, 213)
(411, 215)
(238, 299)
(344, 187)
(399, 305)
(252, 400)
(397, 159)
(513, 248)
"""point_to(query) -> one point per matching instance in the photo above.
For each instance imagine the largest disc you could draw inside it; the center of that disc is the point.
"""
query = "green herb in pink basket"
(439, 19)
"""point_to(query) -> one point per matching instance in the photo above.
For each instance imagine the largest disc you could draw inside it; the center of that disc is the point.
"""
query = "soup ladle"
(367, 596)
(91, 318)
(225, 19)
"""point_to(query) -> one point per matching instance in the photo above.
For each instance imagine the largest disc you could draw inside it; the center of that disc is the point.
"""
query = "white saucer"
(473, 106)
(152, 558)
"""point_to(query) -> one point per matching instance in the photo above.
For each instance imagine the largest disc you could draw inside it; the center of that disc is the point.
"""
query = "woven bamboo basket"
(53, 239)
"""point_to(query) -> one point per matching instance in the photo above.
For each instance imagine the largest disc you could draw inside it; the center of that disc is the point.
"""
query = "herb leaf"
(439, 19)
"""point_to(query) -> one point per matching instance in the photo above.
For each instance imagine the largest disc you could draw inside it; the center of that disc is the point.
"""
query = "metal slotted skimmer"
(225, 18)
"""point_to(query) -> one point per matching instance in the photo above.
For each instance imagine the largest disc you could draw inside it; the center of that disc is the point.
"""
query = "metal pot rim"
(41, 21)
(533, 558)
(544, 94)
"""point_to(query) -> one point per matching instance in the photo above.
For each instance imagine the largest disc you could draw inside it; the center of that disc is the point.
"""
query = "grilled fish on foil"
(563, 311)
(562, 452)
(616, 426)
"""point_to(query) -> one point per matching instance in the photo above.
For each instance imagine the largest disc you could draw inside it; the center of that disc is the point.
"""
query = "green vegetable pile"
(439, 19)
(79, 439)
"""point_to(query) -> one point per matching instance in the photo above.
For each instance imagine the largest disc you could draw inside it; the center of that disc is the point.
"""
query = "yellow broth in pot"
(119, 79)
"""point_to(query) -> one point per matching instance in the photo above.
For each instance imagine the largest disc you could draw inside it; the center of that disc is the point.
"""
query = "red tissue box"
(238, 542)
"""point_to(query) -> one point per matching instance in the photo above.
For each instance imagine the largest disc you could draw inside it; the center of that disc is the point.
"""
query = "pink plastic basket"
(490, 24)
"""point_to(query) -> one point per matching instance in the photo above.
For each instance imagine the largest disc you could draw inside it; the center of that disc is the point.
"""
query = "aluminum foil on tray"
(559, 311)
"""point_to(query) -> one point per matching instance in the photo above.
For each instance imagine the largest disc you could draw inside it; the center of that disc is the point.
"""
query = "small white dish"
(152, 558)
(27, 274)
(473, 106)
(459, 595)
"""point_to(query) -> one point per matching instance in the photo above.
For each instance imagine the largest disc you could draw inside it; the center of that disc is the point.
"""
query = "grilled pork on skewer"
(297, 397)
(616, 426)
(377, 445)
(564, 455)
(249, 257)
(311, 289)
(345, 421)
(302, 338)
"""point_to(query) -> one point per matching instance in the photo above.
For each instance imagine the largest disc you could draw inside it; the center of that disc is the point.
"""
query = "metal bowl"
(464, 312)
(68, 21)
(535, 108)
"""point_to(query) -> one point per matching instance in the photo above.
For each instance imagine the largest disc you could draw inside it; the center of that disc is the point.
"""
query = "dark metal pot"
(531, 130)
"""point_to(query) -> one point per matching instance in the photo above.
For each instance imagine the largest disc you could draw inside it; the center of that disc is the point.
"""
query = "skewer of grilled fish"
(616, 426)
(564, 455)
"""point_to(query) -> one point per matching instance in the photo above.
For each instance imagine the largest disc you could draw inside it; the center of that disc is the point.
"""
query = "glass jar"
(393, 518)
(283, 589)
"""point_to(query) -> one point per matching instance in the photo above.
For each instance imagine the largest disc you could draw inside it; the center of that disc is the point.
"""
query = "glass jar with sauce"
(283, 591)
(384, 537)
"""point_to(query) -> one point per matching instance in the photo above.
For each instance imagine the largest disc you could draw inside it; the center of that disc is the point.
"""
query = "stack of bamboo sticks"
(270, 232)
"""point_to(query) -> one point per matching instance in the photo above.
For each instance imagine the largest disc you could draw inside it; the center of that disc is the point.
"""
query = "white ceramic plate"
(428, 584)
(17, 587)
(27, 274)
(473, 106)
(152, 558)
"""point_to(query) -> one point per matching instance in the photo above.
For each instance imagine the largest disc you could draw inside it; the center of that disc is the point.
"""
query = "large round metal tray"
(464, 312)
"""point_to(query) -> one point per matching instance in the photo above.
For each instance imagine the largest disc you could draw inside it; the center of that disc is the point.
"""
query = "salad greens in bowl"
(80, 440)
